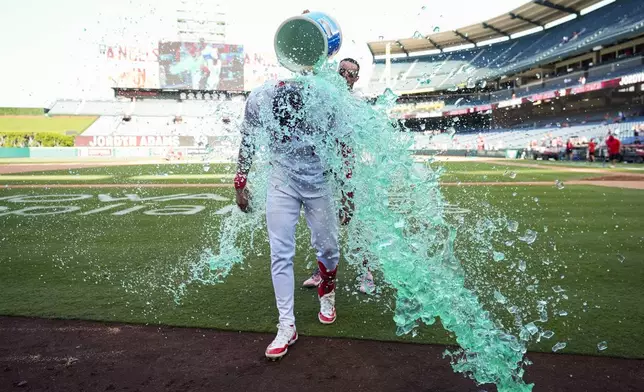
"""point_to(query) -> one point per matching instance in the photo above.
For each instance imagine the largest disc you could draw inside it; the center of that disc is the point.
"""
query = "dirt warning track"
(57, 355)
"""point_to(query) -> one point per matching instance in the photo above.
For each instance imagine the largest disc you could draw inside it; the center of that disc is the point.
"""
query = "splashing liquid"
(397, 225)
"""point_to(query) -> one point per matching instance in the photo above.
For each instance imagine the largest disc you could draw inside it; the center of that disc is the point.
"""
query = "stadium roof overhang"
(536, 13)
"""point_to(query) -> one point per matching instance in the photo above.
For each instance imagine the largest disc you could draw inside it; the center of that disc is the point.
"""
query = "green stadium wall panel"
(14, 152)
(53, 152)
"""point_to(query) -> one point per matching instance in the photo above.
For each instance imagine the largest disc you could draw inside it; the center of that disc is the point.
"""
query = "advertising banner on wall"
(260, 67)
(129, 66)
(198, 141)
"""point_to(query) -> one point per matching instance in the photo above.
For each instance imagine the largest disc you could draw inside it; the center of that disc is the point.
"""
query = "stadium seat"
(442, 71)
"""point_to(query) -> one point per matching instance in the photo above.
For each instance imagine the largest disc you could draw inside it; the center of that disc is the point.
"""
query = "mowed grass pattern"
(220, 173)
(118, 267)
(57, 124)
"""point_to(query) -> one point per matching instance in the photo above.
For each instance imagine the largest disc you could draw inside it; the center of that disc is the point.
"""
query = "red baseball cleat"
(286, 336)
(327, 308)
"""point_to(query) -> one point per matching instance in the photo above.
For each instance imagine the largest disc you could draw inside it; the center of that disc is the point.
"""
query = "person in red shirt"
(613, 144)
(591, 150)
(569, 150)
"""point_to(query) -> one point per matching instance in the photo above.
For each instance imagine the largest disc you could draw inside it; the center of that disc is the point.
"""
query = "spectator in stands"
(591, 150)
(569, 147)
(613, 145)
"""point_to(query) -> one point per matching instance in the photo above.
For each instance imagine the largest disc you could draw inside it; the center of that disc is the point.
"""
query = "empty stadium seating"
(158, 126)
(150, 108)
(445, 70)
(519, 139)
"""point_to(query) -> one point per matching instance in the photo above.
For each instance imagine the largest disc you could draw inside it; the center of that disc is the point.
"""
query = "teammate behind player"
(349, 69)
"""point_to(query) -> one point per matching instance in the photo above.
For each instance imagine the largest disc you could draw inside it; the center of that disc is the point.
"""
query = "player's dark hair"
(352, 61)
(287, 105)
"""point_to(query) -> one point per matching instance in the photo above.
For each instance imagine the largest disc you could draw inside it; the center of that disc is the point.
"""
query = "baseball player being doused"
(300, 129)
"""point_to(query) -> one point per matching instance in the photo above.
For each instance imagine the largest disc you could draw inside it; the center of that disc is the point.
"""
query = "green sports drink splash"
(398, 225)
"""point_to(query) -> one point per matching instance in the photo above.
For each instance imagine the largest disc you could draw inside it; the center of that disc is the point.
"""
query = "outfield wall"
(114, 152)
(160, 152)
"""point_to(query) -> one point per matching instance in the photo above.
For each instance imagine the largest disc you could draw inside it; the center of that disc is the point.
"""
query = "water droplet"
(387, 98)
(498, 256)
(513, 226)
(559, 184)
(522, 265)
(601, 346)
(500, 298)
(509, 243)
(529, 237)
(513, 309)
(621, 258)
(206, 167)
(558, 289)
(536, 199)
(558, 346)
(417, 35)
(437, 29)
(451, 131)
(532, 328)
(547, 334)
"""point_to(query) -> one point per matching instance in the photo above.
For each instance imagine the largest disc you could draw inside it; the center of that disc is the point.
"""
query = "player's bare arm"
(244, 163)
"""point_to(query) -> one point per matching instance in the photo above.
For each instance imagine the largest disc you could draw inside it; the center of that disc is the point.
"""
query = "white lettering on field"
(102, 209)
(200, 196)
(44, 210)
(10, 197)
(127, 211)
(108, 198)
(176, 210)
(48, 198)
(226, 210)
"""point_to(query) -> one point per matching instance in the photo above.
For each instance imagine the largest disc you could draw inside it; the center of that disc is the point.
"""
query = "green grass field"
(104, 261)
(220, 173)
(58, 124)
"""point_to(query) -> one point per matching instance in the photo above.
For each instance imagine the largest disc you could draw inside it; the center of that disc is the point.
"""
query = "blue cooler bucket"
(301, 41)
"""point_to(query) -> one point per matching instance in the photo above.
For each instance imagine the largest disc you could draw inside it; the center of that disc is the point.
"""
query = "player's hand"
(346, 210)
(242, 197)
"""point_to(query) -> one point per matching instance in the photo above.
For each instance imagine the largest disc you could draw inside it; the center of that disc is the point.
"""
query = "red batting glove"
(240, 181)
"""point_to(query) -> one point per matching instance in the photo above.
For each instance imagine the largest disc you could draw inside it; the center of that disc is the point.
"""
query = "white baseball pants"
(283, 204)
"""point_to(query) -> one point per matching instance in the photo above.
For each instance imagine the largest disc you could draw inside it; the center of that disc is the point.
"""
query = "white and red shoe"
(326, 294)
(314, 280)
(327, 308)
(286, 336)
